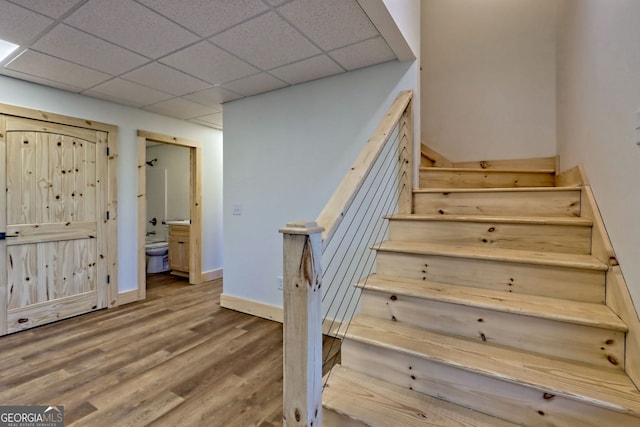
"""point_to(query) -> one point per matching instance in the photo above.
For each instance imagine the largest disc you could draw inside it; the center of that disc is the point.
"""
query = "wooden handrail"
(304, 244)
(333, 212)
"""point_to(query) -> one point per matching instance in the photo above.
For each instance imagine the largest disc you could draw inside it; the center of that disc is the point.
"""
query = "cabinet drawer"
(179, 231)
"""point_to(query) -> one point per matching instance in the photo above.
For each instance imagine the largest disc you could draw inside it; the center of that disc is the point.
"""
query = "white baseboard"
(210, 275)
(127, 297)
(255, 308)
(273, 312)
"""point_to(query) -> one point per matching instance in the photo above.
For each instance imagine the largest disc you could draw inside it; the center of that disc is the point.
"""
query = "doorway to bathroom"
(177, 214)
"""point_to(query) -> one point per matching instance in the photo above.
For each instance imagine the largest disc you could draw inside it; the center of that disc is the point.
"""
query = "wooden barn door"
(55, 246)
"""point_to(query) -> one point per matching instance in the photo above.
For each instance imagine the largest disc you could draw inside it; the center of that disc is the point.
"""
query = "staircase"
(486, 309)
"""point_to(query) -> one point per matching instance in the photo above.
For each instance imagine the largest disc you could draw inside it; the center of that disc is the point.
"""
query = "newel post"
(302, 277)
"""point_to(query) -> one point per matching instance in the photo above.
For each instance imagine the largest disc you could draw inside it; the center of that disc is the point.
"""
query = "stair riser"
(596, 346)
(533, 237)
(558, 282)
(352, 398)
(526, 203)
(435, 178)
(333, 419)
(514, 402)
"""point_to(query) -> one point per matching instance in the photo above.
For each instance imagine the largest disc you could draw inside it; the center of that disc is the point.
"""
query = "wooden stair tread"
(494, 254)
(574, 221)
(513, 170)
(375, 402)
(581, 313)
(607, 388)
(494, 190)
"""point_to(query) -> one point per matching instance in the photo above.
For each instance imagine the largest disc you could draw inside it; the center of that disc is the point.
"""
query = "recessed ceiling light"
(6, 48)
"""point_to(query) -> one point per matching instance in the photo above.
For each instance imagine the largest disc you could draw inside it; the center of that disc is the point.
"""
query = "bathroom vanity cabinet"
(179, 249)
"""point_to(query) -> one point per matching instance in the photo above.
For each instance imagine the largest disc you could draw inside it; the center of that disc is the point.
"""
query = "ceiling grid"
(185, 58)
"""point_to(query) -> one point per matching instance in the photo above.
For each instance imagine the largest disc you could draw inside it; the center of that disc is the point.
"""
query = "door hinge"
(107, 151)
(107, 214)
(108, 278)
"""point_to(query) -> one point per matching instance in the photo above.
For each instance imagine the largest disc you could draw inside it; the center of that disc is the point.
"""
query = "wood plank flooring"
(175, 359)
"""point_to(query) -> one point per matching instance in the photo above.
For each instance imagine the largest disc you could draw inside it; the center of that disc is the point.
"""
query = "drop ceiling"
(185, 58)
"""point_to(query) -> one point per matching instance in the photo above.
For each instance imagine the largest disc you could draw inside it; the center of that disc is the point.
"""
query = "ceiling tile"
(213, 97)
(254, 85)
(114, 99)
(76, 46)
(307, 69)
(363, 54)
(277, 2)
(214, 120)
(39, 80)
(180, 108)
(209, 63)
(330, 23)
(132, 26)
(50, 68)
(165, 78)
(207, 17)
(52, 8)
(266, 42)
(136, 94)
(19, 25)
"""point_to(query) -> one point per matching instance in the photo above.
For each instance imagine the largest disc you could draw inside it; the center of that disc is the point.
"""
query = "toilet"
(157, 257)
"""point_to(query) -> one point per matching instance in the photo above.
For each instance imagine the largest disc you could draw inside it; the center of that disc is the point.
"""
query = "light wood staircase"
(486, 309)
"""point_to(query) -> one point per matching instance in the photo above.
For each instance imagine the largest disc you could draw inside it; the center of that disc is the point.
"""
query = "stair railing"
(379, 183)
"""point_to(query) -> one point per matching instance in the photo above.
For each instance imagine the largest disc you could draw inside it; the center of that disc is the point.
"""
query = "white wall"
(598, 98)
(169, 172)
(129, 120)
(488, 79)
(285, 153)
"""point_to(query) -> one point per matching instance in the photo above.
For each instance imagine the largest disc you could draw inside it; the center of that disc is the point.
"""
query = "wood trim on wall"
(166, 139)
(433, 157)
(142, 215)
(13, 110)
(255, 308)
(112, 221)
(208, 276)
(195, 213)
(619, 300)
(128, 297)
(331, 327)
(601, 247)
(3, 229)
(617, 296)
(574, 177)
(195, 199)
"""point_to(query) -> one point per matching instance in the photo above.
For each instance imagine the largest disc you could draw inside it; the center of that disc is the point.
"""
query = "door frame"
(111, 209)
(195, 204)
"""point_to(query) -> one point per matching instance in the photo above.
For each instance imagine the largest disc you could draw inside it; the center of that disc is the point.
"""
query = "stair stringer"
(617, 296)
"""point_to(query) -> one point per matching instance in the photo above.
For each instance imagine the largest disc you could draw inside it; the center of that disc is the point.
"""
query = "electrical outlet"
(280, 280)
(237, 209)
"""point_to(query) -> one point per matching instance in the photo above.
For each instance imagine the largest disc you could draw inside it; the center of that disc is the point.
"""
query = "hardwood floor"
(176, 359)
